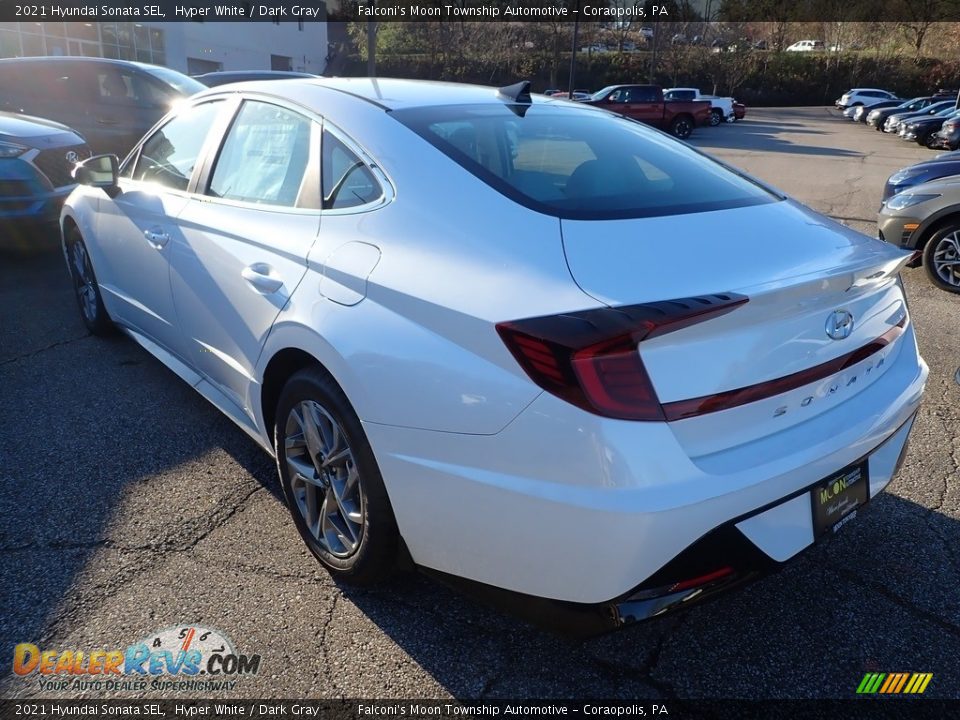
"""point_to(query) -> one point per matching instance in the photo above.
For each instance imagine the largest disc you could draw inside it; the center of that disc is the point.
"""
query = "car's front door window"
(169, 156)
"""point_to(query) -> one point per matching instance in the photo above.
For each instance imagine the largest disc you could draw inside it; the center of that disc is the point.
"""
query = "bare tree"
(921, 15)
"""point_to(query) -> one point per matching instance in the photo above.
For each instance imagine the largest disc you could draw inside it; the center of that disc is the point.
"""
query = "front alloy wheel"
(85, 286)
(941, 258)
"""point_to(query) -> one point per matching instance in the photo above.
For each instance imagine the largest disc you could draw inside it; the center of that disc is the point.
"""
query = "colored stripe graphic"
(874, 684)
(903, 680)
(918, 683)
(894, 683)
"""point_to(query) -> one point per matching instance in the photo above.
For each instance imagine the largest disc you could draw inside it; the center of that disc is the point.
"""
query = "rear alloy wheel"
(681, 128)
(941, 258)
(331, 481)
(85, 286)
(716, 117)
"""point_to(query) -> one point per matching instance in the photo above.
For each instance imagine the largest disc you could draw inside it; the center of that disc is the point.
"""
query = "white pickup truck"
(721, 108)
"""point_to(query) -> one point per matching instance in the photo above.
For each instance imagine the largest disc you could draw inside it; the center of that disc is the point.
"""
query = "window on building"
(199, 66)
(281, 62)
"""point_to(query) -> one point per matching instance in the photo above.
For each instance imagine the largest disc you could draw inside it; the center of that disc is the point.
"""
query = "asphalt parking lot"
(129, 505)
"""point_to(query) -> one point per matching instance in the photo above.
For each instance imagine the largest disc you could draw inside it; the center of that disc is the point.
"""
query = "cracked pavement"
(130, 505)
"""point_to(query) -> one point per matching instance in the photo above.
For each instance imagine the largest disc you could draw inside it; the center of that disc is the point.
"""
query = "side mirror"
(98, 171)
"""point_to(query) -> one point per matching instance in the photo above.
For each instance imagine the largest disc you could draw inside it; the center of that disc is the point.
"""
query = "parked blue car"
(932, 169)
(36, 164)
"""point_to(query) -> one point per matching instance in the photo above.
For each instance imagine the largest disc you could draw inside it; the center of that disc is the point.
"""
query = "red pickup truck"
(646, 104)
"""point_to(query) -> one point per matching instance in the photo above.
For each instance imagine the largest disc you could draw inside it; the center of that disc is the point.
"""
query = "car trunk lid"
(800, 271)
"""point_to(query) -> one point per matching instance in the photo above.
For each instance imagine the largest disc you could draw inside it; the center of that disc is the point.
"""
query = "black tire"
(681, 127)
(86, 290)
(716, 117)
(374, 557)
(931, 141)
(943, 246)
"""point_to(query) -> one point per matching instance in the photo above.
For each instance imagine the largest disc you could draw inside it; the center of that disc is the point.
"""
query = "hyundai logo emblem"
(72, 156)
(839, 324)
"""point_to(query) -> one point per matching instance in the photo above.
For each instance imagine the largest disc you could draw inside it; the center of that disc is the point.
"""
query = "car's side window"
(169, 156)
(646, 95)
(119, 86)
(264, 156)
(347, 181)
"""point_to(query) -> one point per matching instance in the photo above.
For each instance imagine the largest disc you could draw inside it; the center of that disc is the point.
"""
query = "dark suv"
(112, 103)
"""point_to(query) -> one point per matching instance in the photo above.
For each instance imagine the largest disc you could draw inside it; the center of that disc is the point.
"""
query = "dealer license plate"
(836, 499)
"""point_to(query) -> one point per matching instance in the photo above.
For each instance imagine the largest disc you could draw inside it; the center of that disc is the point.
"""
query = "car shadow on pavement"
(867, 600)
(102, 450)
(762, 136)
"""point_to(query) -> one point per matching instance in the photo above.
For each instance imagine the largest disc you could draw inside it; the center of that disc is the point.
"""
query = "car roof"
(387, 93)
(255, 73)
(72, 59)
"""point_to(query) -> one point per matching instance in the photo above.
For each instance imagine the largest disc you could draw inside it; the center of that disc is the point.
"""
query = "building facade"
(190, 47)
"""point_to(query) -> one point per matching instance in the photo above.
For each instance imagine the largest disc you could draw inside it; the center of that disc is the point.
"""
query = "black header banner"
(899, 708)
(645, 12)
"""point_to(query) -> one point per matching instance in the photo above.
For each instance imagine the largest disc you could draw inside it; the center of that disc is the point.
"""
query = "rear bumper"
(724, 559)
(565, 506)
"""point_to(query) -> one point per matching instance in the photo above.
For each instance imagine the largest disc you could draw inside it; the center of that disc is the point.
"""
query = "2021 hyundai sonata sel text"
(520, 341)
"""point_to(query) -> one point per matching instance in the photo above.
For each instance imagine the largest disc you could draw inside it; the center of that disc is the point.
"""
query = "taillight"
(591, 359)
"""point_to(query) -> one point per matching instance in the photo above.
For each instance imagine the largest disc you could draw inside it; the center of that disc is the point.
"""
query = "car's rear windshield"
(580, 163)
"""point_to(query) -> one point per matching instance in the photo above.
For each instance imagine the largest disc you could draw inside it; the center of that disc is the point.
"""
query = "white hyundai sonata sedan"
(521, 342)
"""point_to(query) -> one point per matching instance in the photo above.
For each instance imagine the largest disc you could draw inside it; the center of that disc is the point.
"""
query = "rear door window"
(347, 181)
(264, 156)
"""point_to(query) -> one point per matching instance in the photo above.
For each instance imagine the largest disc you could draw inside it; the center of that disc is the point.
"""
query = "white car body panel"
(723, 104)
(224, 317)
(489, 475)
(139, 298)
(863, 96)
(613, 490)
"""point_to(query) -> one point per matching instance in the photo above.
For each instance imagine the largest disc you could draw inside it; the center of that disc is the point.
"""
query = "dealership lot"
(131, 505)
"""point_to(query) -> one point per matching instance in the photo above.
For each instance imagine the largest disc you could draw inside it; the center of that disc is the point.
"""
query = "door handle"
(156, 237)
(107, 121)
(262, 278)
